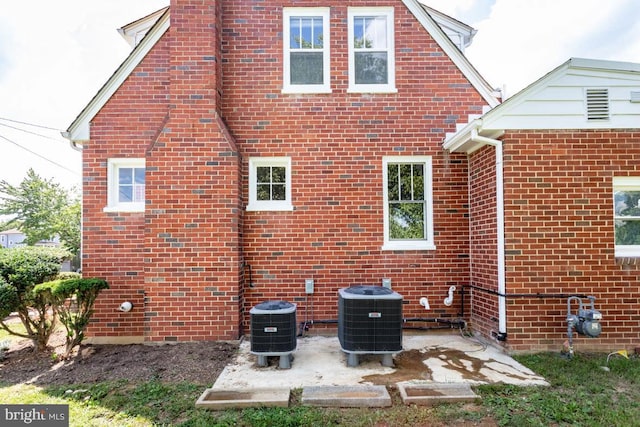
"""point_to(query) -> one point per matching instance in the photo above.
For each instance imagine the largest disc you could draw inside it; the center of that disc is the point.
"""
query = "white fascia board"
(452, 52)
(79, 131)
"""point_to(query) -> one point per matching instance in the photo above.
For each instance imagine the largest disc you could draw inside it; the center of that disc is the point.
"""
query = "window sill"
(280, 207)
(408, 246)
(309, 91)
(372, 89)
(123, 208)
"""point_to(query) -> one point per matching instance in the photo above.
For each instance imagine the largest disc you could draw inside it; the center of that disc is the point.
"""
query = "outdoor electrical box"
(308, 286)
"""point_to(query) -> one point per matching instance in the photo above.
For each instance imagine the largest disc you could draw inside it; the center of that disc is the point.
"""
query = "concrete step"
(429, 393)
(245, 398)
(346, 396)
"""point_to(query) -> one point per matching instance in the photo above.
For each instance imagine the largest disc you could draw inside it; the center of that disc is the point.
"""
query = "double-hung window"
(371, 50)
(306, 50)
(270, 184)
(626, 208)
(408, 203)
(125, 185)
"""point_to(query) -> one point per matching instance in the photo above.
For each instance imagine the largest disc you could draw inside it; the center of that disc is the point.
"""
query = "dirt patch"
(198, 363)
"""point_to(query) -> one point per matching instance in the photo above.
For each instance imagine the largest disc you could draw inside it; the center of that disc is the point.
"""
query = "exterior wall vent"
(597, 104)
(635, 96)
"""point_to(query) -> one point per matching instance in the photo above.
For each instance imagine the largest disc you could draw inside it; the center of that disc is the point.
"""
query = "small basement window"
(597, 104)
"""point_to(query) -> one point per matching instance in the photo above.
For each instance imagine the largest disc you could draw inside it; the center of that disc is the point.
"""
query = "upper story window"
(626, 205)
(270, 184)
(371, 50)
(408, 203)
(125, 185)
(306, 50)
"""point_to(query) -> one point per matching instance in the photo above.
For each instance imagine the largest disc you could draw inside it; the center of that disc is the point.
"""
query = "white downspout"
(502, 306)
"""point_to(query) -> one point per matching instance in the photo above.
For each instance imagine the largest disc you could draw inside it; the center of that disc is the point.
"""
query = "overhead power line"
(31, 133)
(38, 155)
(29, 124)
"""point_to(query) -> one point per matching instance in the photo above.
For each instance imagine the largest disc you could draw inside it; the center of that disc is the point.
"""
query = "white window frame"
(113, 167)
(269, 205)
(390, 86)
(324, 13)
(425, 244)
(633, 184)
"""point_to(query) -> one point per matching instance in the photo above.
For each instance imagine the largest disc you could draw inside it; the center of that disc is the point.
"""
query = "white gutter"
(502, 306)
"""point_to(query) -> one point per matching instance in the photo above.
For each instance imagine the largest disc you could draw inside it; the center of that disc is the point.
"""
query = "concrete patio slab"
(352, 396)
(319, 361)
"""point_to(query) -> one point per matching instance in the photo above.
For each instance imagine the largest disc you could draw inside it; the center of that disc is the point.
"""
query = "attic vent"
(635, 96)
(597, 104)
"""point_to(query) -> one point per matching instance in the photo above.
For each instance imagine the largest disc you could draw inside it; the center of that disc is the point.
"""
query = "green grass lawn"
(581, 394)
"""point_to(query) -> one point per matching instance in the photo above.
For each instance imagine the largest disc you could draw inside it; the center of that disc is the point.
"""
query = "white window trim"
(269, 205)
(428, 243)
(324, 12)
(113, 205)
(390, 87)
(630, 183)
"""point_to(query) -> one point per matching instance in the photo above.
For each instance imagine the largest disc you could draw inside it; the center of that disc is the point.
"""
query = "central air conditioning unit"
(369, 322)
(273, 331)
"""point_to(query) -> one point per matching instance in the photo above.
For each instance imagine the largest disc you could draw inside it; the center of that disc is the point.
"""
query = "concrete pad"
(319, 360)
(424, 393)
(355, 396)
(245, 398)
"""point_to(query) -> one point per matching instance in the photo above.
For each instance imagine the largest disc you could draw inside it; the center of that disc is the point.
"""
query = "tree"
(21, 269)
(42, 209)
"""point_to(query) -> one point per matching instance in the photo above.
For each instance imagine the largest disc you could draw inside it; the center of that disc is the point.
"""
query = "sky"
(56, 55)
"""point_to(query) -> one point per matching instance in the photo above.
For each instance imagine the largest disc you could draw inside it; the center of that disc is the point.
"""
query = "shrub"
(73, 301)
(20, 270)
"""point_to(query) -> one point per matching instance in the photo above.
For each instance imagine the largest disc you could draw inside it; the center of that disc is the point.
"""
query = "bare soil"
(198, 363)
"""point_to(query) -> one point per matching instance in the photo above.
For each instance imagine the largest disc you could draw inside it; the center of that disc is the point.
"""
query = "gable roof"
(79, 131)
(459, 32)
(135, 31)
(562, 99)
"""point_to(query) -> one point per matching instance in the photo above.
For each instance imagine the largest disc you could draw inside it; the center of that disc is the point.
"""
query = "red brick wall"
(483, 225)
(336, 142)
(560, 236)
(192, 234)
(113, 243)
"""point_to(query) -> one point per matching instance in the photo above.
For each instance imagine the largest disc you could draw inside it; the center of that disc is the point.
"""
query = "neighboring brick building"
(244, 147)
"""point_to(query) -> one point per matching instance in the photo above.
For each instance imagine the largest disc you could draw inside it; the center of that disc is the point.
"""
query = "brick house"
(244, 148)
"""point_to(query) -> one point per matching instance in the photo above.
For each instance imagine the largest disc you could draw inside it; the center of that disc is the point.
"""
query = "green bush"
(73, 301)
(21, 269)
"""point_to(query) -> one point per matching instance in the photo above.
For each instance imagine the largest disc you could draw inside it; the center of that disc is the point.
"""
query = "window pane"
(406, 182)
(418, 182)
(294, 33)
(278, 192)
(139, 176)
(263, 174)
(139, 193)
(371, 68)
(125, 175)
(264, 192)
(376, 32)
(626, 203)
(392, 184)
(307, 68)
(125, 194)
(318, 37)
(627, 232)
(278, 174)
(406, 221)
